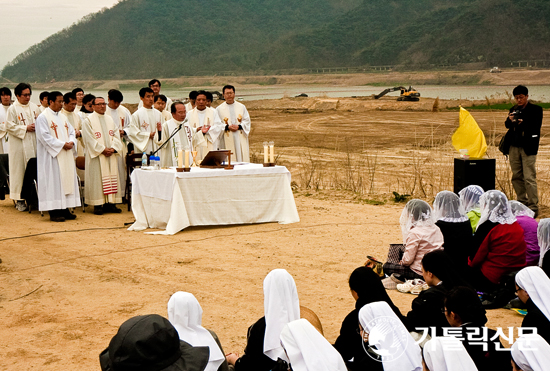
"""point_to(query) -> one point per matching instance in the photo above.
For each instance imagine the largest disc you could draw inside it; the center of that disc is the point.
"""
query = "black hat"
(151, 343)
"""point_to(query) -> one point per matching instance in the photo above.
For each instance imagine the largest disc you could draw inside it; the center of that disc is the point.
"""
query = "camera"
(517, 115)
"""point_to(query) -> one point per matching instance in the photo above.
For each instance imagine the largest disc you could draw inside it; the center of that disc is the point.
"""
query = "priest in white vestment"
(236, 119)
(206, 125)
(103, 146)
(145, 130)
(20, 125)
(5, 100)
(122, 118)
(69, 110)
(155, 85)
(183, 139)
(160, 105)
(191, 101)
(43, 101)
(55, 149)
(79, 94)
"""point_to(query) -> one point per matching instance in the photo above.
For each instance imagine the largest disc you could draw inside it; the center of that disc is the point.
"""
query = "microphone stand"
(176, 130)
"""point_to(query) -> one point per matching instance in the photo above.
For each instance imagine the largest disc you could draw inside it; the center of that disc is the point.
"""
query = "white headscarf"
(537, 284)
(519, 209)
(447, 208)
(308, 350)
(417, 213)
(447, 354)
(469, 197)
(531, 353)
(495, 208)
(185, 314)
(543, 235)
(391, 338)
(281, 306)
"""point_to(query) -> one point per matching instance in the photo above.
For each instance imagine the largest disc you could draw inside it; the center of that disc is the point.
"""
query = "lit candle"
(272, 152)
(266, 159)
(180, 158)
(186, 158)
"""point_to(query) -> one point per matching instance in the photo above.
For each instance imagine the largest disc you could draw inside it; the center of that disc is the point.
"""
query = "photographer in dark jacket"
(524, 122)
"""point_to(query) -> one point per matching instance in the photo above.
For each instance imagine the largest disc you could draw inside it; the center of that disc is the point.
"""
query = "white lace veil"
(519, 209)
(469, 197)
(417, 213)
(447, 208)
(543, 234)
(495, 208)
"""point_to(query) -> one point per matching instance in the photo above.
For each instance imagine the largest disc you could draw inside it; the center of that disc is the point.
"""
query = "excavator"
(409, 95)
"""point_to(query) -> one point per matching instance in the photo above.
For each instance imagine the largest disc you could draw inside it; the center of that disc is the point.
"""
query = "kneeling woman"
(420, 236)
(281, 306)
(502, 247)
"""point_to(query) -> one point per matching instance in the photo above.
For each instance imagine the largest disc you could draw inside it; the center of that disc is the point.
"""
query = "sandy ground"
(66, 288)
(508, 77)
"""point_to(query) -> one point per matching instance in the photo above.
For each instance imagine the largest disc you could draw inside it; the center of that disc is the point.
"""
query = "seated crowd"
(77, 139)
(445, 328)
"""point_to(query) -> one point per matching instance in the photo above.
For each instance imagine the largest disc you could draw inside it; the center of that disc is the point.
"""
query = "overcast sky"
(24, 23)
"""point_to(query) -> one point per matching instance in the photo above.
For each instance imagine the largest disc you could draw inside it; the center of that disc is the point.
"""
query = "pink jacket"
(420, 241)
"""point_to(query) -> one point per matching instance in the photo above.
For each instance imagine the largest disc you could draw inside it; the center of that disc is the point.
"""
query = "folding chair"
(132, 161)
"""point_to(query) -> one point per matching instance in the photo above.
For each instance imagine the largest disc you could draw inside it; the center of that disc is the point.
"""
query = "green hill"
(171, 38)
(404, 32)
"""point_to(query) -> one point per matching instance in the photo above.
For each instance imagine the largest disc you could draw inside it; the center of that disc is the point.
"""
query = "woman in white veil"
(501, 243)
(543, 234)
(526, 219)
(185, 314)
(530, 353)
(469, 199)
(455, 226)
(420, 236)
(281, 306)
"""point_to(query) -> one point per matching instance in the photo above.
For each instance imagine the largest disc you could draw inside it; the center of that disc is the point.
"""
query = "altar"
(249, 193)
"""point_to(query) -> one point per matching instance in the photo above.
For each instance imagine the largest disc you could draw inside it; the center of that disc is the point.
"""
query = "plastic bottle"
(144, 160)
(157, 162)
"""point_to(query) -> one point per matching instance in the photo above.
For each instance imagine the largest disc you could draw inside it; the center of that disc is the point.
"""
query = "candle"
(186, 158)
(272, 152)
(266, 159)
(180, 158)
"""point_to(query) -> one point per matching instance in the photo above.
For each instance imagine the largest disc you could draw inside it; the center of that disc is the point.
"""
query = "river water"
(539, 93)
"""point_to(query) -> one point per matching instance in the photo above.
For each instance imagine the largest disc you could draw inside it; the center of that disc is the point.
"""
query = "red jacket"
(501, 252)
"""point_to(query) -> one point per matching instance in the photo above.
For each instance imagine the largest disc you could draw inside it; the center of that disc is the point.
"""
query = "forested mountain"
(170, 38)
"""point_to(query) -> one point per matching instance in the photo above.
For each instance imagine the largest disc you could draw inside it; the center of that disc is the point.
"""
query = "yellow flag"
(469, 136)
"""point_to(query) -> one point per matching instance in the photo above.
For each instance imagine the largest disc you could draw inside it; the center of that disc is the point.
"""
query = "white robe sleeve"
(137, 137)
(216, 129)
(11, 126)
(52, 144)
(93, 147)
(245, 123)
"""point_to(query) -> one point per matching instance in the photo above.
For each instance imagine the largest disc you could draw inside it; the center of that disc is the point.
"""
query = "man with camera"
(524, 122)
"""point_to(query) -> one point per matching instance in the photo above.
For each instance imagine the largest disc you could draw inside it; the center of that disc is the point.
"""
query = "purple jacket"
(529, 226)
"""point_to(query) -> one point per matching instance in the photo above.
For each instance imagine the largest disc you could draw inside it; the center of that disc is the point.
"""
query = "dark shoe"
(57, 218)
(98, 210)
(68, 215)
(111, 208)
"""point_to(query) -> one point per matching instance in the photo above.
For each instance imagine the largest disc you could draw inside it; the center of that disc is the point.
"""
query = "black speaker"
(479, 171)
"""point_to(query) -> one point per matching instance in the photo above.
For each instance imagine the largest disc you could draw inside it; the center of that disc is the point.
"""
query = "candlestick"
(186, 158)
(180, 158)
(272, 152)
(266, 159)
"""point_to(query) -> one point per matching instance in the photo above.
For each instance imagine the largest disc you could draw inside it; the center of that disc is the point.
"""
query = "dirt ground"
(65, 288)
